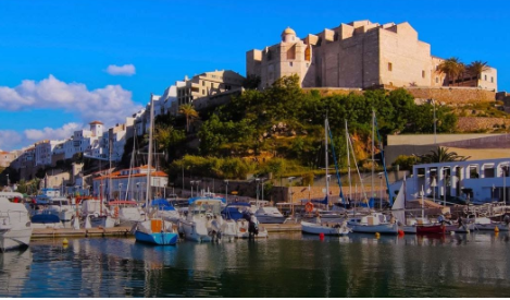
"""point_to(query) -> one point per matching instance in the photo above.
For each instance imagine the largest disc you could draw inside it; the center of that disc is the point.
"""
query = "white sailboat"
(154, 230)
(319, 227)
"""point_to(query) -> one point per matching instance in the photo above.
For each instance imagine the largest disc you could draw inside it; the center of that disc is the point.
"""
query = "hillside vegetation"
(280, 130)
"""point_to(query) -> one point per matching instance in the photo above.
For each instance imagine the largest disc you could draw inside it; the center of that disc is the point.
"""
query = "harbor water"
(285, 265)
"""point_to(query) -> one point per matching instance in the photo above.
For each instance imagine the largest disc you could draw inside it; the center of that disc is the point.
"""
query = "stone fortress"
(359, 54)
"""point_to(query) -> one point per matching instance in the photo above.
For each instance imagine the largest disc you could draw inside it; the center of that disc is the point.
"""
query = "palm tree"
(476, 68)
(452, 67)
(189, 111)
(441, 155)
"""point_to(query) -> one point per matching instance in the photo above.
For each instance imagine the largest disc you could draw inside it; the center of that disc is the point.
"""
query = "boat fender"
(496, 229)
(309, 207)
(116, 212)
(377, 235)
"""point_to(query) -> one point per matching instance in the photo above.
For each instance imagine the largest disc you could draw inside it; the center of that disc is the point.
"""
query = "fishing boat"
(204, 222)
(15, 224)
(372, 223)
(125, 212)
(154, 230)
(46, 220)
(339, 229)
(266, 214)
(487, 224)
(458, 227)
(51, 202)
(238, 216)
(95, 213)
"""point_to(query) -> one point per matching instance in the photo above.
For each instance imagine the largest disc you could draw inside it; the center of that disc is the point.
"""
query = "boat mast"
(110, 144)
(326, 127)
(131, 166)
(149, 160)
(373, 150)
(348, 159)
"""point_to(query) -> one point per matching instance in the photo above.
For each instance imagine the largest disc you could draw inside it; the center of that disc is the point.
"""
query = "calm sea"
(285, 265)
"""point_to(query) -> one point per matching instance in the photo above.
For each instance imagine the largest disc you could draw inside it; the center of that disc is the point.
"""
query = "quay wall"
(473, 124)
(452, 95)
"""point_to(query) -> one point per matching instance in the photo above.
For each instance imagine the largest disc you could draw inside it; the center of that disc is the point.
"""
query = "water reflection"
(14, 268)
(285, 265)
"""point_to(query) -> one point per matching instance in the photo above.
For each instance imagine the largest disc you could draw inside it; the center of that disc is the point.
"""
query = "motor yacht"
(15, 224)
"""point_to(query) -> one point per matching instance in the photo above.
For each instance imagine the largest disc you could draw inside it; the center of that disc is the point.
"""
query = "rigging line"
(383, 162)
(336, 165)
(362, 185)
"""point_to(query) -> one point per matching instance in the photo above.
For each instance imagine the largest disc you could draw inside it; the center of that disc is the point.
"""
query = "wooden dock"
(282, 227)
(48, 233)
(52, 233)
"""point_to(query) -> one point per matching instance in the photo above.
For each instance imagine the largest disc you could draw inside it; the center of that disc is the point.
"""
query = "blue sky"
(61, 50)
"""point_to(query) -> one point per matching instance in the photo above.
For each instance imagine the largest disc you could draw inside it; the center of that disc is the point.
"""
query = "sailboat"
(154, 230)
(375, 222)
(319, 227)
(413, 225)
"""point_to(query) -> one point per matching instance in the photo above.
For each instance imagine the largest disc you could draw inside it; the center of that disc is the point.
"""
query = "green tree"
(189, 112)
(452, 67)
(441, 154)
(476, 68)
(22, 186)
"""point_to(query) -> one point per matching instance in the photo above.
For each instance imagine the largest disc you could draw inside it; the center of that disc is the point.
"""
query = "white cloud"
(65, 132)
(111, 104)
(9, 139)
(125, 70)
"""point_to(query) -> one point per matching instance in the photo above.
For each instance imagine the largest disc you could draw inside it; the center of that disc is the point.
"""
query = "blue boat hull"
(160, 238)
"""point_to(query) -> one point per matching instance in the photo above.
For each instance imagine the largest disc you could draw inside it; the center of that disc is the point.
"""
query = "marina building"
(480, 181)
(132, 182)
(359, 54)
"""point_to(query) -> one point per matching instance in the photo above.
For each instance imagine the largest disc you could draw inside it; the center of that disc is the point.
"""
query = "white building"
(44, 151)
(476, 180)
(169, 99)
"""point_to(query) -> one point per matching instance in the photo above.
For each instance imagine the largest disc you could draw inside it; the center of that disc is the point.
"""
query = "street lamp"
(257, 189)
(262, 183)
(434, 103)
(226, 190)
(191, 185)
(197, 182)
(505, 170)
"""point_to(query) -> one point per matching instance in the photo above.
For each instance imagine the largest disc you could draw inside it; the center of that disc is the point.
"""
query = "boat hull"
(270, 219)
(382, 229)
(430, 229)
(13, 239)
(159, 238)
(195, 232)
(460, 229)
(492, 227)
(409, 229)
(312, 228)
